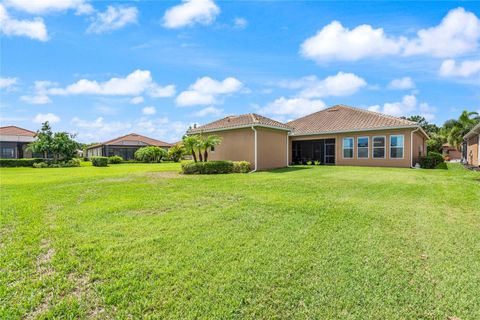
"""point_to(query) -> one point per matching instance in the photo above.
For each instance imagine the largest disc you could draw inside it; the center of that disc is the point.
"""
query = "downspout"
(287, 151)
(411, 146)
(255, 151)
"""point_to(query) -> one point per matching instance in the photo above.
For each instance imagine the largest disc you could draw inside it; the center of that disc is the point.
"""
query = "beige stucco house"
(339, 135)
(472, 139)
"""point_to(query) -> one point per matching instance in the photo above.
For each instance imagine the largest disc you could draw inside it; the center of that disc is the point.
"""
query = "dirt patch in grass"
(83, 291)
(164, 175)
(119, 179)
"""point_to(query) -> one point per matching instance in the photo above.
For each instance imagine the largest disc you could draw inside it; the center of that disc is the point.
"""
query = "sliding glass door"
(322, 150)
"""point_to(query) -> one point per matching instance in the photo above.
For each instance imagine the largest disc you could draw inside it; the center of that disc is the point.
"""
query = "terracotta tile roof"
(16, 131)
(341, 118)
(244, 120)
(133, 137)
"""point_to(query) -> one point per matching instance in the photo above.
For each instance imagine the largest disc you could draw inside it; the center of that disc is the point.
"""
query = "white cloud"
(48, 6)
(292, 107)
(240, 23)
(465, 69)
(341, 84)
(335, 42)
(34, 29)
(40, 93)
(137, 100)
(407, 107)
(206, 90)
(134, 84)
(458, 33)
(149, 110)
(404, 83)
(190, 12)
(208, 111)
(113, 18)
(50, 117)
(8, 83)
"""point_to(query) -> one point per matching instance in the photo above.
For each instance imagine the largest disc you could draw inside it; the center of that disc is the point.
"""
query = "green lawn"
(136, 240)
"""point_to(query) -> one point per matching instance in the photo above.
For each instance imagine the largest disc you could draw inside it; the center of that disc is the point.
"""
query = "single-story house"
(339, 135)
(124, 146)
(14, 142)
(472, 140)
(451, 152)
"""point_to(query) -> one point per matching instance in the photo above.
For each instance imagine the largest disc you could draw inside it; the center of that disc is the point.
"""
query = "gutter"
(255, 151)
(287, 150)
(411, 146)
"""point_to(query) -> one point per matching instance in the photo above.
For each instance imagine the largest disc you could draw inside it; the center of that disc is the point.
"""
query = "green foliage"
(150, 154)
(317, 163)
(208, 142)
(454, 129)
(74, 162)
(431, 160)
(210, 167)
(309, 163)
(25, 162)
(40, 165)
(59, 145)
(241, 166)
(115, 159)
(435, 143)
(99, 161)
(190, 143)
(176, 152)
(429, 128)
(198, 144)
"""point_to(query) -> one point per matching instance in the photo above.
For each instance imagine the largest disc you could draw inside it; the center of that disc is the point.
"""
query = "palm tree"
(208, 142)
(454, 130)
(190, 143)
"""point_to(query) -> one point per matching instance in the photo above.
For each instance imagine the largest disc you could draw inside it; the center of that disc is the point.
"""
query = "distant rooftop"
(16, 131)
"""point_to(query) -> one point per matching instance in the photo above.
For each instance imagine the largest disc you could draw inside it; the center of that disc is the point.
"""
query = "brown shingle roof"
(16, 131)
(341, 118)
(134, 137)
(244, 120)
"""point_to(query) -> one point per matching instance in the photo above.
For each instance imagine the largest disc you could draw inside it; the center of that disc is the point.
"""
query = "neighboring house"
(451, 152)
(472, 140)
(124, 146)
(14, 142)
(339, 135)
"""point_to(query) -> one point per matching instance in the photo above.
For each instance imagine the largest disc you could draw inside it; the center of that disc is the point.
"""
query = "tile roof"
(134, 137)
(341, 118)
(244, 120)
(16, 131)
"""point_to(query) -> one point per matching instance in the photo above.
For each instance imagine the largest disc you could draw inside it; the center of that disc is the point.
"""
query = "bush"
(150, 154)
(100, 161)
(115, 159)
(241, 166)
(58, 164)
(176, 152)
(432, 160)
(209, 167)
(40, 165)
(10, 163)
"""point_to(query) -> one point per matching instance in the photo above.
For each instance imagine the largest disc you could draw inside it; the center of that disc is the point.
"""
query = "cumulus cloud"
(40, 93)
(341, 84)
(206, 91)
(49, 6)
(404, 83)
(33, 29)
(292, 107)
(134, 84)
(8, 83)
(240, 23)
(137, 100)
(208, 111)
(190, 12)
(465, 69)
(148, 111)
(50, 117)
(113, 18)
(458, 33)
(408, 106)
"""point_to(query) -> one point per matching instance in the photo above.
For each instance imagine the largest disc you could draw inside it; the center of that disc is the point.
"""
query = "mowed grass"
(139, 240)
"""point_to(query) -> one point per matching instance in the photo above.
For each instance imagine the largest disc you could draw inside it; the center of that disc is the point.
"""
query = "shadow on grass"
(289, 169)
(442, 166)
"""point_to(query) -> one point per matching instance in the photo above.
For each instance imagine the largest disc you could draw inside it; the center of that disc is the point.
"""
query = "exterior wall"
(473, 145)
(418, 141)
(271, 148)
(95, 152)
(419, 147)
(237, 145)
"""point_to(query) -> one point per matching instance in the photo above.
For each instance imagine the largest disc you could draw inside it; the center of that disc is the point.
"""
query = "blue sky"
(104, 69)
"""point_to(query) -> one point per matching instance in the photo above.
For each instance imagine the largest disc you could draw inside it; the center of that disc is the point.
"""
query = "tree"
(429, 128)
(209, 142)
(176, 152)
(453, 130)
(59, 145)
(190, 143)
(150, 154)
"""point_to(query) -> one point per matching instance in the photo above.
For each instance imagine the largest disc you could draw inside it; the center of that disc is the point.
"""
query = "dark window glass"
(348, 153)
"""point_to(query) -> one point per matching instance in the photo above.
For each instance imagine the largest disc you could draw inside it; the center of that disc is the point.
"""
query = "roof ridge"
(376, 113)
(13, 126)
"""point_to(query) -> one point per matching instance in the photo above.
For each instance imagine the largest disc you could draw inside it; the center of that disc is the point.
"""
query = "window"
(212, 149)
(8, 153)
(348, 148)
(362, 147)
(378, 148)
(396, 146)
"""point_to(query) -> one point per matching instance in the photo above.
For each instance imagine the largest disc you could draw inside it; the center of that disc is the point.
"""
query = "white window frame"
(384, 147)
(368, 148)
(390, 146)
(353, 147)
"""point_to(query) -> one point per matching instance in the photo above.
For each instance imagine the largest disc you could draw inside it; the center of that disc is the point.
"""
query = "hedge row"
(99, 161)
(58, 164)
(215, 167)
(431, 160)
(26, 162)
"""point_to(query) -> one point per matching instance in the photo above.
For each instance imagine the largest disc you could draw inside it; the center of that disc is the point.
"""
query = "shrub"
(19, 162)
(241, 166)
(100, 161)
(150, 154)
(317, 163)
(432, 160)
(176, 152)
(58, 164)
(210, 167)
(40, 165)
(115, 159)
